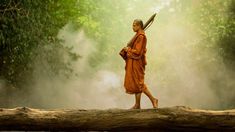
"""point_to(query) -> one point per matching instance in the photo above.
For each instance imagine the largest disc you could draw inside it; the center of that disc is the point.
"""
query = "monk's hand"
(126, 48)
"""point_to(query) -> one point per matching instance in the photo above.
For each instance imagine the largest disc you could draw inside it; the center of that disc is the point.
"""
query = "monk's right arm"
(138, 47)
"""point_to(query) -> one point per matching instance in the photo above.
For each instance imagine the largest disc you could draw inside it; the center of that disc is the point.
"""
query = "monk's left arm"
(139, 45)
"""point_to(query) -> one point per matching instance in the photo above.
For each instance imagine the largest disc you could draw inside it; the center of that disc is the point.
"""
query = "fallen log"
(169, 118)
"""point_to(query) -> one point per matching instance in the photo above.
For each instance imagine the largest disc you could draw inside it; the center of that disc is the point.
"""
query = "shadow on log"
(162, 119)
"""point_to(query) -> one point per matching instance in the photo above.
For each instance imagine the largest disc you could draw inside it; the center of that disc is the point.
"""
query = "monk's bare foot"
(135, 107)
(155, 103)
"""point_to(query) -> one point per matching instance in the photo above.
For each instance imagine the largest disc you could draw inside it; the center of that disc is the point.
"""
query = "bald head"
(139, 22)
(138, 25)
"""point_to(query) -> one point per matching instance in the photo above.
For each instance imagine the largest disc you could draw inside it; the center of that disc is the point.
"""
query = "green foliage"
(28, 32)
(217, 24)
(227, 37)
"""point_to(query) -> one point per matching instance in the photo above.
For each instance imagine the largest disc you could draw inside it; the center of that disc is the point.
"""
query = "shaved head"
(139, 22)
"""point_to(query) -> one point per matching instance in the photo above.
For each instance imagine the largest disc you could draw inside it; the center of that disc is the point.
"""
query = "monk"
(135, 59)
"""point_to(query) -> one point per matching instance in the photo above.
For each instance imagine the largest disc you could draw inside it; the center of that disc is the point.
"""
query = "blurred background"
(64, 53)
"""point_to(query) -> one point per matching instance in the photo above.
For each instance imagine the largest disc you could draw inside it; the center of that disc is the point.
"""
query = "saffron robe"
(135, 65)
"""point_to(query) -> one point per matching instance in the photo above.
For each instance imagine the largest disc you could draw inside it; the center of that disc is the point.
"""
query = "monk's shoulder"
(141, 37)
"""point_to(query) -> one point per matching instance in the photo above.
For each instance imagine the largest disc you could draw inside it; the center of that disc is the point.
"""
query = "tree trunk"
(170, 118)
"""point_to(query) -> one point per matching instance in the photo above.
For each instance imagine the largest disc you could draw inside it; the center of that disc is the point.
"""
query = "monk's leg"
(137, 101)
(153, 100)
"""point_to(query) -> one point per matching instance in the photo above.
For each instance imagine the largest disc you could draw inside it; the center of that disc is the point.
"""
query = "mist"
(179, 70)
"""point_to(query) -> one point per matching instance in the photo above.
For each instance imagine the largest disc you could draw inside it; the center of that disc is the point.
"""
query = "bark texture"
(161, 119)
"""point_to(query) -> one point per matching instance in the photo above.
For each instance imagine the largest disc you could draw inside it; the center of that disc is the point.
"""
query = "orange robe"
(135, 65)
